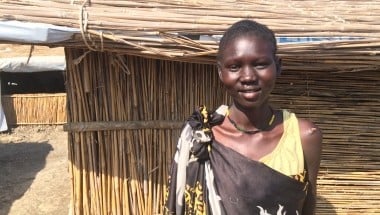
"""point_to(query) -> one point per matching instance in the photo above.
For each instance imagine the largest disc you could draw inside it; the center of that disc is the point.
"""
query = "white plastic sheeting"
(32, 33)
(35, 64)
(3, 121)
(25, 32)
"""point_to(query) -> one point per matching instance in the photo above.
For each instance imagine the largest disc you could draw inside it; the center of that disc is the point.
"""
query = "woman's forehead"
(253, 43)
(248, 38)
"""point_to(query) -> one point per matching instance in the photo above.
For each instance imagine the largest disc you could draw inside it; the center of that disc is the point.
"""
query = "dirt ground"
(34, 177)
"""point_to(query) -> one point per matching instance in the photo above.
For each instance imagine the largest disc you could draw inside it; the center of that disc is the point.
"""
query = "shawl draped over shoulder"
(207, 177)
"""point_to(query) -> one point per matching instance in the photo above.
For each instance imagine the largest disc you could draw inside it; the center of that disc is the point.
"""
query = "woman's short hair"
(246, 28)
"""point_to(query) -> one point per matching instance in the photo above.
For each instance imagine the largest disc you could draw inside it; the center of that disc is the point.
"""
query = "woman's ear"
(219, 70)
(278, 65)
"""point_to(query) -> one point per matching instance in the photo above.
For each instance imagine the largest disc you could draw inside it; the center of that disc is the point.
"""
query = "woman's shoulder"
(311, 139)
(307, 128)
(310, 134)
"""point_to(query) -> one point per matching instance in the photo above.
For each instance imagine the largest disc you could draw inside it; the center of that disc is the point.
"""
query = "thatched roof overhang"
(171, 29)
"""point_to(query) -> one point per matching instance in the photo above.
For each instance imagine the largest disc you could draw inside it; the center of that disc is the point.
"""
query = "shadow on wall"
(324, 207)
(19, 165)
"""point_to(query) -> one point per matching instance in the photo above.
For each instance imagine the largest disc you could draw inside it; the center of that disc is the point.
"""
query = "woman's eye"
(234, 68)
(261, 66)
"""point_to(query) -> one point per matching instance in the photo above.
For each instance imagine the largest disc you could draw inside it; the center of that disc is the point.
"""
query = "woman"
(247, 158)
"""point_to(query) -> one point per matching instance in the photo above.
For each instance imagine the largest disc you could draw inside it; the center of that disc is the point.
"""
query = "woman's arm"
(311, 138)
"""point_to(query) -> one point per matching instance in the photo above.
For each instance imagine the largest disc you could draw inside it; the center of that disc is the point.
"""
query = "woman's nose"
(248, 74)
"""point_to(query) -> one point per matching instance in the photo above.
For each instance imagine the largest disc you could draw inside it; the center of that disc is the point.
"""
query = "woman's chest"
(252, 147)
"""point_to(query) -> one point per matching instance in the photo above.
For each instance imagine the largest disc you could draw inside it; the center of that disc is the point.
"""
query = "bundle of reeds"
(125, 113)
(119, 160)
(33, 109)
(346, 107)
(162, 28)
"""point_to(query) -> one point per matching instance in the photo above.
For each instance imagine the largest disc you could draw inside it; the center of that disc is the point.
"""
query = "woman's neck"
(253, 118)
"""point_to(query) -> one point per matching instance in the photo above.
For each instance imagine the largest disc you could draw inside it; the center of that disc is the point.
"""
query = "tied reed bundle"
(162, 28)
(35, 109)
(121, 166)
(125, 112)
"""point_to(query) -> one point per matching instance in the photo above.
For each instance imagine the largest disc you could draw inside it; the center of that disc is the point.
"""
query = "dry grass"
(120, 157)
(159, 28)
(35, 109)
(121, 166)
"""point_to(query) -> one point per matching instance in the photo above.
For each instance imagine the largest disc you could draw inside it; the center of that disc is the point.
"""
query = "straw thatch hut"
(32, 85)
(137, 69)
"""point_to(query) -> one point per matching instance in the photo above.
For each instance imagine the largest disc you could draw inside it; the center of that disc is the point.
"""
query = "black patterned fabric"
(188, 191)
(250, 187)
(209, 178)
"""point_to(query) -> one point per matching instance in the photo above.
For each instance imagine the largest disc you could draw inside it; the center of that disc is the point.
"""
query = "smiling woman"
(255, 159)
(248, 70)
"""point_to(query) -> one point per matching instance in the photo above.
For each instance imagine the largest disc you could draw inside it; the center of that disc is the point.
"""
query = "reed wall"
(35, 109)
(125, 114)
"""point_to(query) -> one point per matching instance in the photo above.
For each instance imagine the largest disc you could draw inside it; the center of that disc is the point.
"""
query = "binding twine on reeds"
(127, 99)
(123, 127)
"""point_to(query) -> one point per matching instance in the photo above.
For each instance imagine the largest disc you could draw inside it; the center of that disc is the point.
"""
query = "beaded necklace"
(239, 128)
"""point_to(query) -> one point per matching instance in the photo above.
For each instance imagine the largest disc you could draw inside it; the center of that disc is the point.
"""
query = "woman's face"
(248, 70)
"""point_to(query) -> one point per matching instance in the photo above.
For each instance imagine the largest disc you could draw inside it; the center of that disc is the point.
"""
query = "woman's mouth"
(250, 94)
